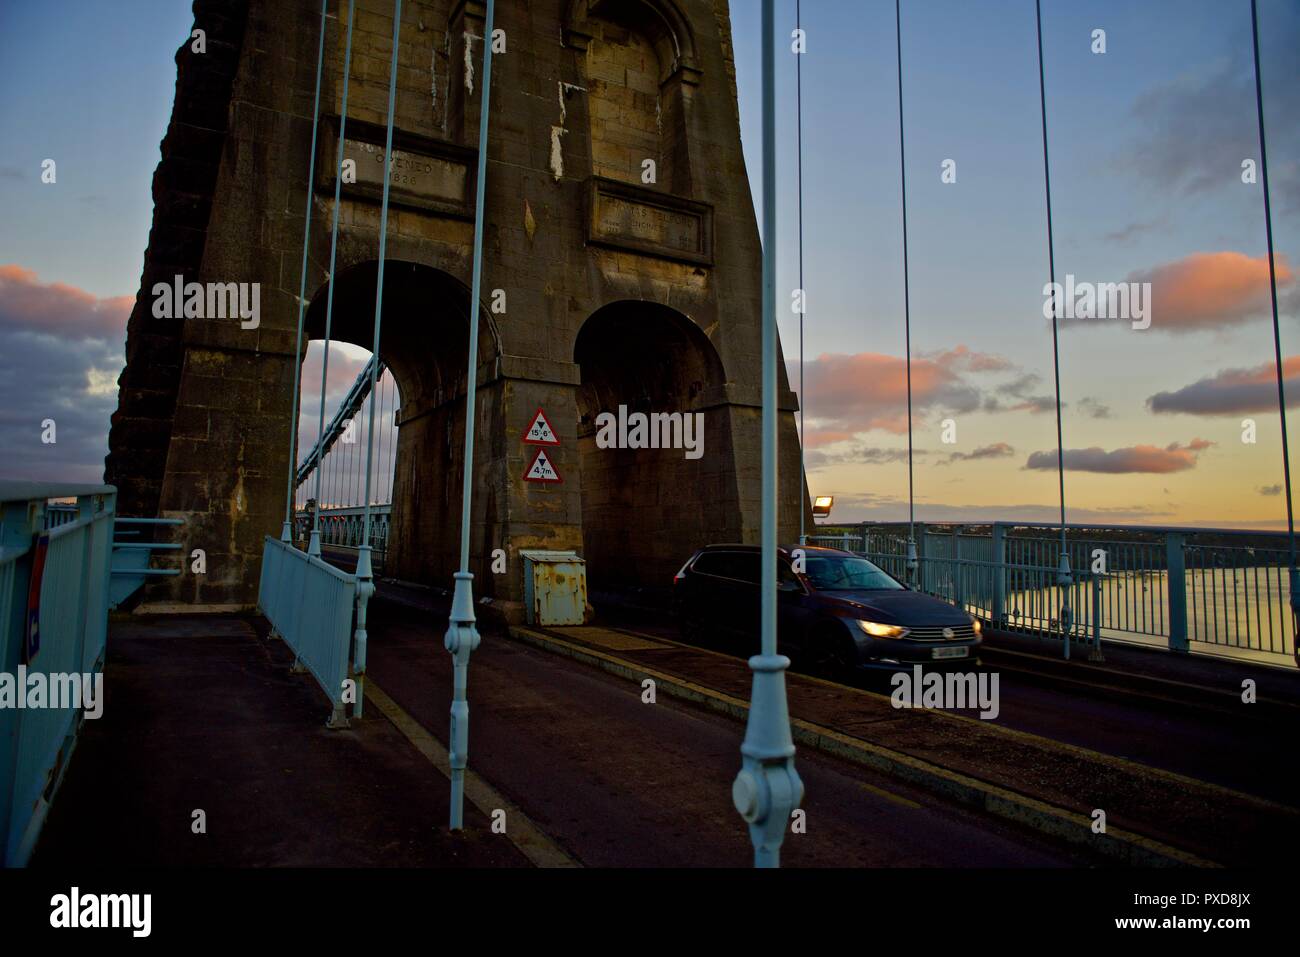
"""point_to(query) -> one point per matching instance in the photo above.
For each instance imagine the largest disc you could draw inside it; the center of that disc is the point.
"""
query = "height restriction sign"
(540, 431)
(542, 470)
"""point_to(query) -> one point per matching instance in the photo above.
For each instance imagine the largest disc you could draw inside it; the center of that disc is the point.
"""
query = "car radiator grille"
(935, 633)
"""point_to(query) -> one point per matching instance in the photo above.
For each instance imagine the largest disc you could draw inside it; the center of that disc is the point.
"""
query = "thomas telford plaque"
(625, 216)
(417, 178)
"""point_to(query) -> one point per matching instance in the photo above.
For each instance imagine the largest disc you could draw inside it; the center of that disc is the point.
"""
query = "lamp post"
(768, 788)
(462, 634)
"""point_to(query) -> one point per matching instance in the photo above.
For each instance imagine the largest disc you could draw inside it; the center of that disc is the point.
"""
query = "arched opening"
(648, 500)
(334, 454)
(637, 55)
(424, 346)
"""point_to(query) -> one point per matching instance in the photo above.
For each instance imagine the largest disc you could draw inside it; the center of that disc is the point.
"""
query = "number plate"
(950, 652)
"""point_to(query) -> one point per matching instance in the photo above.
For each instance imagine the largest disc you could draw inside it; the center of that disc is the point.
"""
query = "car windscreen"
(842, 573)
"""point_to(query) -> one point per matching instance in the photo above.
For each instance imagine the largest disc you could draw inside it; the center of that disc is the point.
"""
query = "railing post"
(1094, 653)
(365, 589)
(999, 599)
(957, 568)
(1293, 584)
(1176, 590)
(919, 584)
(1065, 617)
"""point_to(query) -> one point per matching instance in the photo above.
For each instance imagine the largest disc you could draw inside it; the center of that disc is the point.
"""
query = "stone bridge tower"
(620, 287)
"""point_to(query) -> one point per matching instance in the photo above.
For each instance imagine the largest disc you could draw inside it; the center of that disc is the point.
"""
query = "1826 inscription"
(413, 175)
(644, 221)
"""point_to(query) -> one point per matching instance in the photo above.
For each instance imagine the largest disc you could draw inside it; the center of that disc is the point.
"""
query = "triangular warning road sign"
(542, 470)
(539, 432)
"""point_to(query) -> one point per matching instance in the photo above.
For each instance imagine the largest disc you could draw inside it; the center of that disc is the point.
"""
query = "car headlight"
(975, 624)
(878, 629)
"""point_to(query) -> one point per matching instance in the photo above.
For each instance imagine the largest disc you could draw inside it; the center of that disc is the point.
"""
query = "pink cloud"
(849, 394)
(1205, 290)
(59, 309)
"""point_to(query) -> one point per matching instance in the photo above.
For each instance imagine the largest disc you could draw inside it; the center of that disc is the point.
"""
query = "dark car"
(840, 611)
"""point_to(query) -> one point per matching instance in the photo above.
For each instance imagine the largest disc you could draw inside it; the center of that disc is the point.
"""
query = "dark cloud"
(871, 507)
(1195, 130)
(1233, 391)
(1134, 230)
(61, 350)
(1269, 490)
(1020, 395)
(1147, 459)
(998, 450)
(857, 455)
(1093, 408)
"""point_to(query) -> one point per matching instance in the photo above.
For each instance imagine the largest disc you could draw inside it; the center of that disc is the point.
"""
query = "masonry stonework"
(619, 290)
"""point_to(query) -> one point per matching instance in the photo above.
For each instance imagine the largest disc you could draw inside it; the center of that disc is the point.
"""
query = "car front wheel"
(831, 651)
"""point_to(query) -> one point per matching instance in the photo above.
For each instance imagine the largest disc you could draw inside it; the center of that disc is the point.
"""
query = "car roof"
(808, 549)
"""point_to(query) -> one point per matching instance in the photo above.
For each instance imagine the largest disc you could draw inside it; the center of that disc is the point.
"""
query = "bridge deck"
(614, 781)
(203, 713)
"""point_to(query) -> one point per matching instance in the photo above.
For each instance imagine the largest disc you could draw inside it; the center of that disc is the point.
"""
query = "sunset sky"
(1147, 142)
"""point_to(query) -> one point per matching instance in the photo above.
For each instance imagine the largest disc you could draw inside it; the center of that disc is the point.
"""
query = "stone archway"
(425, 345)
(645, 509)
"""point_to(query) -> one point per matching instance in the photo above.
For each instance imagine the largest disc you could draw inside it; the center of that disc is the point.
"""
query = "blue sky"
(1146, 142)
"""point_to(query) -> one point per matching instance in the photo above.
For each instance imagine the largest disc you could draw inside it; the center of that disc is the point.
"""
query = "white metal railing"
(310, 604)
(1203, 590)
(54, 576)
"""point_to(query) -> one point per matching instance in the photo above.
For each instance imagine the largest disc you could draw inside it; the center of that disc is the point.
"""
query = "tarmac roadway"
(618, 782)
(588, 773)
(203, 714)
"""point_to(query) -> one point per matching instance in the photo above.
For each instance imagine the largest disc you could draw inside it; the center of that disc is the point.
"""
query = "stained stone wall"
(202, 430)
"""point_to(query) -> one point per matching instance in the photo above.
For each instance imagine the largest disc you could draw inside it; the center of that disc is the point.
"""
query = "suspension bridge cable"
(386, 414)
(314, 546)
(1051, 269)
(379, 288)
(385, 437)
(290, 491)
(1277, 333)
(907, 294)
(379, 438)
(476, 280)
(353, 466)
(803, 295)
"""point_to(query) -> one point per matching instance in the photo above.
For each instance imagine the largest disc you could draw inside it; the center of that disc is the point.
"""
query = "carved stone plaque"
(641, 220)
(425, 173)
(413, 175)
